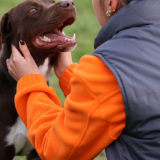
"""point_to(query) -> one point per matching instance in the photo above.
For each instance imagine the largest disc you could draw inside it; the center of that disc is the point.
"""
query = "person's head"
(112, 6)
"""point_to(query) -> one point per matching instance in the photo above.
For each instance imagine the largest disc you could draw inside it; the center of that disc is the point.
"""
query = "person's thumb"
(24, 49)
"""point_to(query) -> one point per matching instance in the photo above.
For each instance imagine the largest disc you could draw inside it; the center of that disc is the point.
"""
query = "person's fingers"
(8, 63)
(15, 56)
(14, 51)
(11, 56)
(8, 66)
(24, 49)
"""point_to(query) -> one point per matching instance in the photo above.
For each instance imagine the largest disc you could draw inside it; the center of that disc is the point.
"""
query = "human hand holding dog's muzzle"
(19, 66)
(64, 59)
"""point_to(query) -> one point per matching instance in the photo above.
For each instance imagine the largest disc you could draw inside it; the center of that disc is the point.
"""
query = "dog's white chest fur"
(17, 136)
(45, 69)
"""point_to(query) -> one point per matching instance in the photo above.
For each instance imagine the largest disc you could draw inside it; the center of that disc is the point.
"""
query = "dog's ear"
(5, 28)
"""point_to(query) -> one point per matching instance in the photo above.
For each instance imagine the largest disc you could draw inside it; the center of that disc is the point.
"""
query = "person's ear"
(5, 28)
(113, 6)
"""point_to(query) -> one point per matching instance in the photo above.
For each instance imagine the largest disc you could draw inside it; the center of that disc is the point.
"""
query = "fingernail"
(22, 42)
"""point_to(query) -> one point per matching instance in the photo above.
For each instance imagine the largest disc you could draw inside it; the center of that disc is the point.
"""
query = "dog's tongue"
(51, 40)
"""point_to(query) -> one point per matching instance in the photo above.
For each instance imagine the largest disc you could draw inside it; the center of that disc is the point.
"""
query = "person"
(112, 96)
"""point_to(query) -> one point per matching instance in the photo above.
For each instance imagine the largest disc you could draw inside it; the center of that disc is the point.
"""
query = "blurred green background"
(86, 28)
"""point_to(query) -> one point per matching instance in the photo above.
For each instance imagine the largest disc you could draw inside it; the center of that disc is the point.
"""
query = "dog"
(40, 24)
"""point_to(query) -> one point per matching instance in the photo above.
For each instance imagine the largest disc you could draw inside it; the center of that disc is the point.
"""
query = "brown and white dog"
(40, 24)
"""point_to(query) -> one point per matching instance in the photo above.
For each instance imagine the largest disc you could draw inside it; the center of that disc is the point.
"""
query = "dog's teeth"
(66, 39)
(45, 39)
(74, 36)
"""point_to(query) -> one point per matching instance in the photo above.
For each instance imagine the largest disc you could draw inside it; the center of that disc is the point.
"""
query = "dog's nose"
(68, 4)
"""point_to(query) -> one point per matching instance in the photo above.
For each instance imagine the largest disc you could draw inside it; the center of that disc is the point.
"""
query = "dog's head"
(40, 24)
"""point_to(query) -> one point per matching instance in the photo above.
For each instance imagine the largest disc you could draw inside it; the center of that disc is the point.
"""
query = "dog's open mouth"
(55, 38)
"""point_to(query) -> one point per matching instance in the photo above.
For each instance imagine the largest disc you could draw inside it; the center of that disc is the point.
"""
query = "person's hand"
(64, 60)
(19, 66)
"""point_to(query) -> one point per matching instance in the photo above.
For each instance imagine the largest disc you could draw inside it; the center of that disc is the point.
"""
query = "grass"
(86, 28)
(19, 158)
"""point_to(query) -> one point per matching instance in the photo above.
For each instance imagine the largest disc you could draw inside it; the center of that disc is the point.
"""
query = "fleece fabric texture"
(92, 118)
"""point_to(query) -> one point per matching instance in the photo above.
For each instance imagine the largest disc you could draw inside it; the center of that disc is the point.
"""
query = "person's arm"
(93, 115)
(65, 78)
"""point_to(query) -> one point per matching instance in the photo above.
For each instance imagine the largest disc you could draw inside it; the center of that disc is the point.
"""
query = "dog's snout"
(68, 4)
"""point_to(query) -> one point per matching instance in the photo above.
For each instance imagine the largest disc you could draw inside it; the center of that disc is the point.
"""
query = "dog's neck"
(44, 68)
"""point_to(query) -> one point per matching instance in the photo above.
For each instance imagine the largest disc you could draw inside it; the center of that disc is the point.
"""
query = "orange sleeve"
(93, 115)
(64, 81)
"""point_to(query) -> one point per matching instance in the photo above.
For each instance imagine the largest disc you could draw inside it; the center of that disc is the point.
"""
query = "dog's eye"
(33, 10)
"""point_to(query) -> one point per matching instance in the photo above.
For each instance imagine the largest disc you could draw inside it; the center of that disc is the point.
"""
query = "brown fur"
(15, 25)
